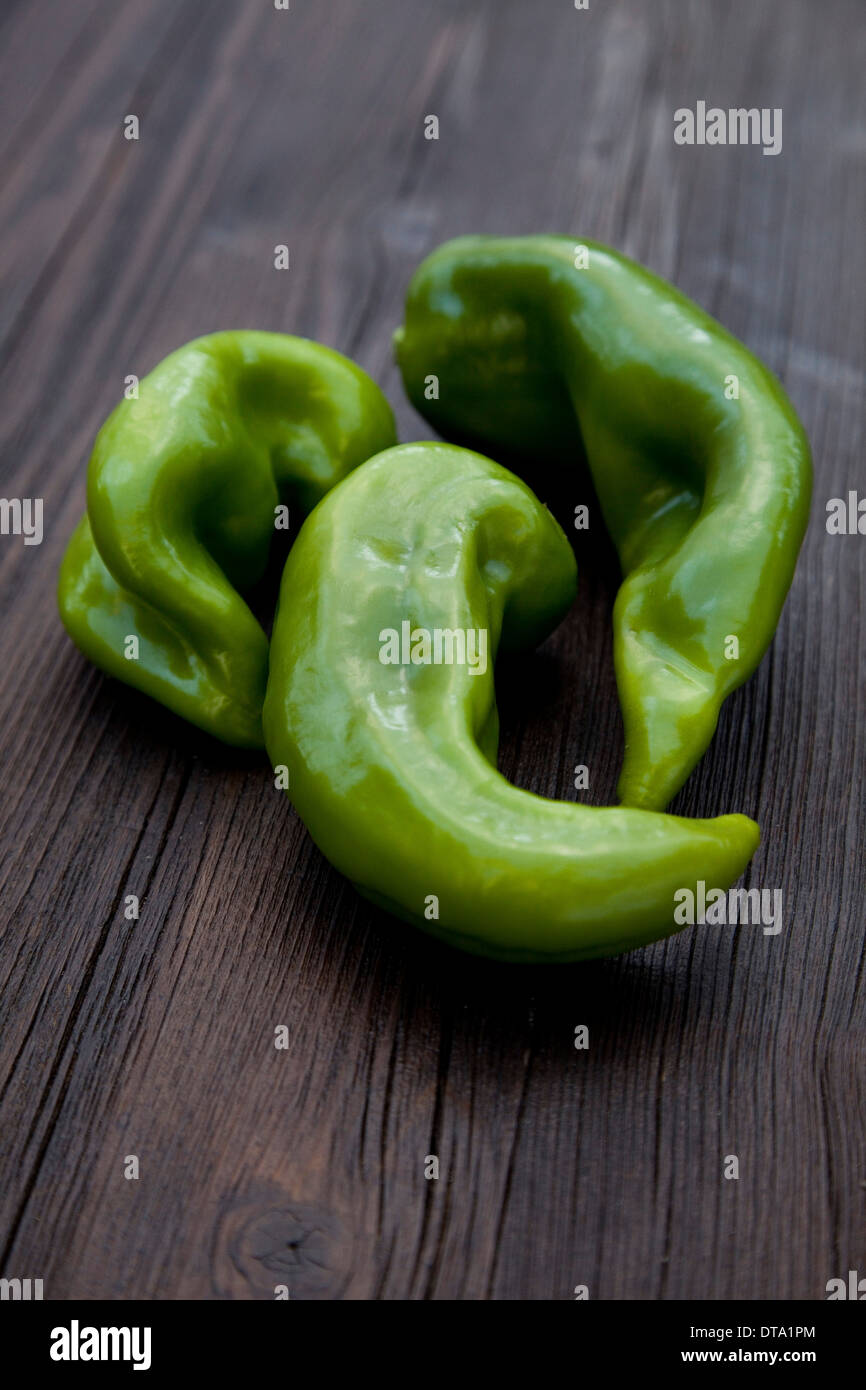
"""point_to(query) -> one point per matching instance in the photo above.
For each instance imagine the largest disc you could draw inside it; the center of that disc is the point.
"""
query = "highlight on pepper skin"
(542, 346)
(390, 753)
(185, 486)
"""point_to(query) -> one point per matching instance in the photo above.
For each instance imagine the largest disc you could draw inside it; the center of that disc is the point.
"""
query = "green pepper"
(429, 551)
(541, 348)
(183, 491)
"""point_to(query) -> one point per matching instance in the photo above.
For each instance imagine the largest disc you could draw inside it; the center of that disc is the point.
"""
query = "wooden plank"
(306, 1167)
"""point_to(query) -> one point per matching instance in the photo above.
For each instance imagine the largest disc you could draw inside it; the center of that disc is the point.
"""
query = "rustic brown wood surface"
(559, 1167)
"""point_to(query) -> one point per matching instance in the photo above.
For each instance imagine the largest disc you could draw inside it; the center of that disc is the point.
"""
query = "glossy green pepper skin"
(701, 467)
(182, 489)
(392, 767)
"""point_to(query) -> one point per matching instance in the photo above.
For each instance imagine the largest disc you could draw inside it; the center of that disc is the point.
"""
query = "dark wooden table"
(155, 1038)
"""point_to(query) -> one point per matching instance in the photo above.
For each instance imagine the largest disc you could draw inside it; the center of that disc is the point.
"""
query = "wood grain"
(155, 1038)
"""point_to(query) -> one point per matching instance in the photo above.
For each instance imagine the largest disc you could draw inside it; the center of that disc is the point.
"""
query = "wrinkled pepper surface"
(392, 765)
(182, 490)
(541, 347)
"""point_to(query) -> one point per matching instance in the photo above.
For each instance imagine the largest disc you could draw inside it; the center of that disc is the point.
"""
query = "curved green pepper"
(532, 347)
(392, 766)
(182, 489)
